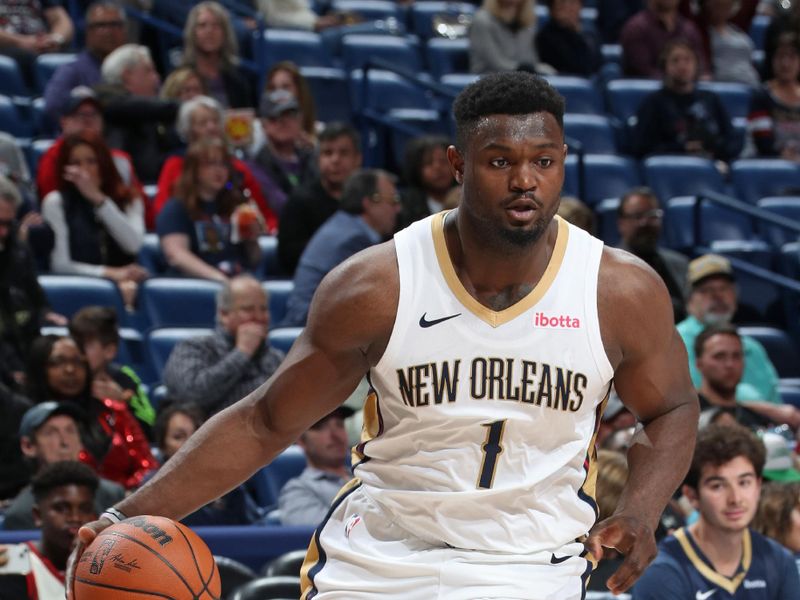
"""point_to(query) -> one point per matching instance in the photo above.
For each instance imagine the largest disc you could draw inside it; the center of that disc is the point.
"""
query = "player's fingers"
(638, 557)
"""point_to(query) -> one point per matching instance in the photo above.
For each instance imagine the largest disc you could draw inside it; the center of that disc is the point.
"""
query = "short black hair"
(95, 323)
(712, 330)
(337, 129)
(361, 184)
(640, 190)
(61, 473)
(720, 444)
(506, 93)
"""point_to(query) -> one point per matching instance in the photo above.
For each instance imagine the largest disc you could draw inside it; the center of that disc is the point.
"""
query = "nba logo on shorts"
(351, 522)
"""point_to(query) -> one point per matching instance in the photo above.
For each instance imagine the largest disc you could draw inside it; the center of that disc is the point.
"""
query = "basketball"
(147, 557)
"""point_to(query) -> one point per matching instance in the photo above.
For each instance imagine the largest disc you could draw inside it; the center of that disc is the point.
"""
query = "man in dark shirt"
(312, 204)
(639, 219)
(564, 45)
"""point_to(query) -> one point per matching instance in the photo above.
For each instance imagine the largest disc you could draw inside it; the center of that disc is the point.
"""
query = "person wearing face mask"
(639, 219)
(712, 300)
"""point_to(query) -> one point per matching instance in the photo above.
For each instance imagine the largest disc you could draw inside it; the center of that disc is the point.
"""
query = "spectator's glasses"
(106, 24)
(650, 216)
(393, 199)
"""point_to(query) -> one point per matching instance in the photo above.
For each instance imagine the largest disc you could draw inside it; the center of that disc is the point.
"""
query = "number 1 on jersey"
(492, 449)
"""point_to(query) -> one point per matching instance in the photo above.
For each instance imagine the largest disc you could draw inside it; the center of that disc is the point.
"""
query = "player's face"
(325, 444)
(722, 362)
(248, 305)
(512, 173)
(727, 495)
(61, 514)
(66, 369)
(713, 301)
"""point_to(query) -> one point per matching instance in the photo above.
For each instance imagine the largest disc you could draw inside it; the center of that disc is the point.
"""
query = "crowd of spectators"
(231, 163)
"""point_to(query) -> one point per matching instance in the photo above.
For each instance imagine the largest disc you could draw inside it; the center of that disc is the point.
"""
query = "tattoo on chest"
(507, 297)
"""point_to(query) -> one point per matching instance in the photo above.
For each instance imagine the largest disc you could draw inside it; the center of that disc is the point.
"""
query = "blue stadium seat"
(269, 267)
(11, 82)
(385, 91)
(606, 211)
(789, 260)
(150, 255)
(39, 147)
(12, 120)
(580, 94)
(756, 178)
(47, 65)
(402, 52)
(458, 81)
(267, 588)
(43, 124)
(716, 223)
(446, 56)
(282, 338)
(758, 30)
(304, 48)
(594, 132)
(425, 16)
(572, 176)
(267, 482)
(782, 350)
(330, 91)
(671, 176)
(612, 53)
(69, 293)
(278, 291)
(160, 343)
(608, 176)
(735, 96)
(179, 302)
(368, 10)
(762, 296)
(623, 96)
(783, 206)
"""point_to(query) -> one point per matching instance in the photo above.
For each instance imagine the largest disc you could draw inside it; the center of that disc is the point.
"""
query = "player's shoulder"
(622, 272)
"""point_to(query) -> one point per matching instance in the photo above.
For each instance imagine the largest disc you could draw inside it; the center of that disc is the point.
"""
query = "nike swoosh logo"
(704, 595)
(554, 560)
(423, 322)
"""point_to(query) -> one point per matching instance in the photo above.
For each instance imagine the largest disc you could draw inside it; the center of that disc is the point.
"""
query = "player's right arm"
(350, 320)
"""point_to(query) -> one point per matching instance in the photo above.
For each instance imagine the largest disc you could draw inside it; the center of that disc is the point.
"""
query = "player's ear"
(456, 163)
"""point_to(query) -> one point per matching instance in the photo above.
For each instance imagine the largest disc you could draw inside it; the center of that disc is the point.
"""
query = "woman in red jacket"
(113, 441)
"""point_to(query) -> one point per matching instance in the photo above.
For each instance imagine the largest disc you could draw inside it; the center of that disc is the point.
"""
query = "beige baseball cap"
(708, 265)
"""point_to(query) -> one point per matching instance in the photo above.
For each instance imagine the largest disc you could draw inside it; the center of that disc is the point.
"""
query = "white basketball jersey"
(479, 433)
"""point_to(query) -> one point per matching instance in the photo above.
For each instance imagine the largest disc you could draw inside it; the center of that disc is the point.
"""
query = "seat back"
(594, 132)
(283, 338)
(446, 56)
(623, 96)
(784, 206)
(756, 178)
(278, 291)
(608, 176)
(368, 10)
(716, 223)
(358, 49)
(233, 574)
(267, 482)
(606, 211)
(735, 97)
(179, 302)
(782, 351)
(47, 65)
(11, 82)
(269, 588)
(286, 564)
(671, 176)
(386, 91)
(330, 91)
(12, 121)
(67, 294)
(304, 48)
(580, 94)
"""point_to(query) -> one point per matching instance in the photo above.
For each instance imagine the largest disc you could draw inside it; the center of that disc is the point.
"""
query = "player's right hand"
(86, 535)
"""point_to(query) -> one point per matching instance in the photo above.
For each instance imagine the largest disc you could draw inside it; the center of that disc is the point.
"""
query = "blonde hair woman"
(210, 48)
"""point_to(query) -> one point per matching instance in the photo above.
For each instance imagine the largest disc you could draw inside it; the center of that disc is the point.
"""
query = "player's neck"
(721, 546)
(497, 277)
(54, 555)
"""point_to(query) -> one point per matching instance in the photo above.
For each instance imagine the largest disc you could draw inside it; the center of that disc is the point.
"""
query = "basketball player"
(490, 335)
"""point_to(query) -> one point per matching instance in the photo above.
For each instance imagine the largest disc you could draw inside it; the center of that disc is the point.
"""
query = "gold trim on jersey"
(491, 317)
(370, 427)
(589, 486)
(313, 553)
(731, 584)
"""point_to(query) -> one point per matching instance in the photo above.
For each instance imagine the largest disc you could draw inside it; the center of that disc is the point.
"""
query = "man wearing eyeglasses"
(367, 214)
(639, 219)
(105, 32)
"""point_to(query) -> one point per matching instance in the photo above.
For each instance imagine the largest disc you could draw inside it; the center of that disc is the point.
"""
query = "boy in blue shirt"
(719, 557)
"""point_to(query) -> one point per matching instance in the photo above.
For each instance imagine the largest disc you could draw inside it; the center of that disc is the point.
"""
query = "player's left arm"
(652, 379)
